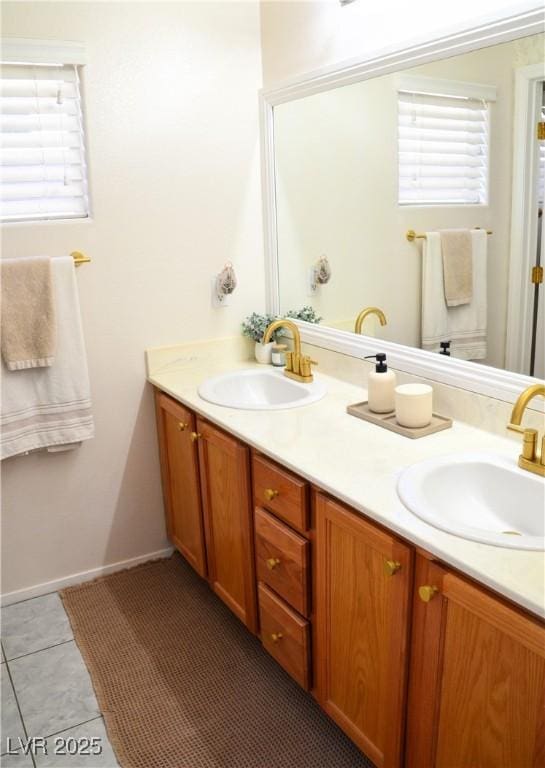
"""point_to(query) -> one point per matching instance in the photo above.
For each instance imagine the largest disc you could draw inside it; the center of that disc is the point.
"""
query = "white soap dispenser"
(381, 386)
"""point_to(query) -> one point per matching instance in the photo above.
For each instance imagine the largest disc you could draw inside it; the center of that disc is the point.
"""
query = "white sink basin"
(260, 390)
(481, 497)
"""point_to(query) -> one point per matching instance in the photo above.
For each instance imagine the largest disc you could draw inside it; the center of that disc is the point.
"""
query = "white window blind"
(42, 151)
(443, 149)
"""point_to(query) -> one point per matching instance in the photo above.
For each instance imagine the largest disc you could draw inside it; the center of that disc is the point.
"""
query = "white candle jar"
(414, 405)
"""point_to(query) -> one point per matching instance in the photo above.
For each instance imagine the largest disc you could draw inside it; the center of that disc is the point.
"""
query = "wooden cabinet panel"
(285, 635)
(477, 691)
(282, 560)
(361, 623)
(180, 476)
(226, 494)
(281, 492)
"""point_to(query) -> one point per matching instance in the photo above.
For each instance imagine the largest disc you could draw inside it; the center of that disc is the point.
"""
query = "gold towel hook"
(80, 258)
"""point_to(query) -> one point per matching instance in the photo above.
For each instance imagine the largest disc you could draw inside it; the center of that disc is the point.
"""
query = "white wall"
(172, 124)
(336, 193)
(336, 156)
(298, 37)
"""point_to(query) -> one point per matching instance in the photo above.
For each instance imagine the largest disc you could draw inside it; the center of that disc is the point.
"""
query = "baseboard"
(77, 578)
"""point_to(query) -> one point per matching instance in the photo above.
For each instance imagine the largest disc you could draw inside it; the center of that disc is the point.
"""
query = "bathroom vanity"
(417, 661)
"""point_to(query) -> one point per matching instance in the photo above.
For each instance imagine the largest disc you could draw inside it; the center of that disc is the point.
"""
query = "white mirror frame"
(482, 379)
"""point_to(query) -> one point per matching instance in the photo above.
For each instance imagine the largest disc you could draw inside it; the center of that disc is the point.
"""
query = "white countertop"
(359, 463)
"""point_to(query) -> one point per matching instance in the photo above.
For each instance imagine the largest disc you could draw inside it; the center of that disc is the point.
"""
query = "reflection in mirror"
(426, 150)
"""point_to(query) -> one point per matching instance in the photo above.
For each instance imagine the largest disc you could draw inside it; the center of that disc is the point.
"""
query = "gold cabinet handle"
(270, 494)
(276, 636)
(391, 567)
(427, 593)
(272, 562)
(181, 426)
(195, 436)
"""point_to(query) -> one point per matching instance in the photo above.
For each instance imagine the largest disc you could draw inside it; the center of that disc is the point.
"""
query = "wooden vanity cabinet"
(477, 678)
(226, 494)
(473, 694)
(181, 483)
(363, 581)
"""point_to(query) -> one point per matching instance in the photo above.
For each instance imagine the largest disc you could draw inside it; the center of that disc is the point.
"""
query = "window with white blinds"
(443, 149)
(42, 150)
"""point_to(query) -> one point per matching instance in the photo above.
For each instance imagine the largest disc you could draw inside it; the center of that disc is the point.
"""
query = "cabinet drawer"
(285, 635)
(281, 492)
(282, 560)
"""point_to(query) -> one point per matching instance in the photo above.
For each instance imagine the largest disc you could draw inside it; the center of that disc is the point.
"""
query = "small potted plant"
(307, 313)
(254, 327)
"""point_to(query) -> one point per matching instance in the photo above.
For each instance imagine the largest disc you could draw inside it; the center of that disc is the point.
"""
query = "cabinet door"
(180, 476)
(477, 680)
(363, 578)
(226, 494)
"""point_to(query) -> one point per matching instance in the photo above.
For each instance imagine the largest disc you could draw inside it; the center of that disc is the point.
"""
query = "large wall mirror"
(369, 179)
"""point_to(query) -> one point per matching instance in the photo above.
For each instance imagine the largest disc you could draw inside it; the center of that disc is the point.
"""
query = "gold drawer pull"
(270, 494)
(391, 567)
(195, 436)
(272, 562)
(276, 636)
(427, 593)
(182, 427)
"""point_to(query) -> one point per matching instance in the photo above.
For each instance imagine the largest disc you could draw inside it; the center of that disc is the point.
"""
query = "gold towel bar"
(80, 258)
(412, 235)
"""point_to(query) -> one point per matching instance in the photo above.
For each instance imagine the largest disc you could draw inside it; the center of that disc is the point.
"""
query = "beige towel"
(457, 266)
(28, 313)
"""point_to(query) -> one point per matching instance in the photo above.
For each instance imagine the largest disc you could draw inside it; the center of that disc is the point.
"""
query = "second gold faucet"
(369, 311)
(530, 459)
(298, 366)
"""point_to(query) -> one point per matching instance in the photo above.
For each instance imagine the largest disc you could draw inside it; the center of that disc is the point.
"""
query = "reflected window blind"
(42, 151)
(443, 150)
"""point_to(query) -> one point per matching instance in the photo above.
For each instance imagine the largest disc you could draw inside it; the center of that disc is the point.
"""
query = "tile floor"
(46, 692)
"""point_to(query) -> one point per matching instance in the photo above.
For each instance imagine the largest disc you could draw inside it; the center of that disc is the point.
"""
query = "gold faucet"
(529, 459)
(298, 366)
(369, 311)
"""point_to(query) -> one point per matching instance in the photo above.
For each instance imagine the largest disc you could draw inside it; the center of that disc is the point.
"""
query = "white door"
(539, 297)
(539, 362)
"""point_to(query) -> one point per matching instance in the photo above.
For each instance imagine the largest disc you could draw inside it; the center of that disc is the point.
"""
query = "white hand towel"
(465, 326)
(43, 407)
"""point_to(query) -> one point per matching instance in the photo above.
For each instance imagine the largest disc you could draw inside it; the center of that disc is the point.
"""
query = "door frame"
(523, 237)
